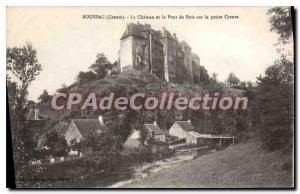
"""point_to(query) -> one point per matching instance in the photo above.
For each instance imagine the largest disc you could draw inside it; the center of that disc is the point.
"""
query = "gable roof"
(186, 125)
(88, 127)
(154, 128)
(60, 127)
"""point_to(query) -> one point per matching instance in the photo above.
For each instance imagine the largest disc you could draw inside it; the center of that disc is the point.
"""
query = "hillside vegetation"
(241, 165)
(131, 82)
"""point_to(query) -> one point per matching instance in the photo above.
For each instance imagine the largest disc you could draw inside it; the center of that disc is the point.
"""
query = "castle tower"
(158, 52)
(196, 68)
(141, 49)
(187, 51)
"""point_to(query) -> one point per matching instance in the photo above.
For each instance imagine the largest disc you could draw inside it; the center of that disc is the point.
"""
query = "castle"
(158, 52)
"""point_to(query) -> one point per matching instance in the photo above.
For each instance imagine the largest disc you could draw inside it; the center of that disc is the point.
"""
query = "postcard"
(150, 97)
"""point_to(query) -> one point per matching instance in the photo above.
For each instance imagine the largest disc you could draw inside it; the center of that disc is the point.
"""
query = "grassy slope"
(242, 165)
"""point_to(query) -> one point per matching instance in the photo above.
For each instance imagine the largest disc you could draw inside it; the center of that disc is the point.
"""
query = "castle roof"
(137, 30)
(195, 56)
(185, 44)
(166, 34)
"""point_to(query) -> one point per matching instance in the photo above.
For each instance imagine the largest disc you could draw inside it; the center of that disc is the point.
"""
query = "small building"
(180, 129)
(155, 132)
(212, 140)
(80, 129)
(197, 138)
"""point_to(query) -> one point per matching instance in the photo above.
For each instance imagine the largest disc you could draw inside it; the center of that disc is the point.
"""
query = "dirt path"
(146, 169)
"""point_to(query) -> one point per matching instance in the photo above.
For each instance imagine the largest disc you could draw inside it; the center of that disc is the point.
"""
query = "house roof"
(89, 127)
(186, 125)
(154, 128)
(197, 135)
(211, 136)
(60, 127)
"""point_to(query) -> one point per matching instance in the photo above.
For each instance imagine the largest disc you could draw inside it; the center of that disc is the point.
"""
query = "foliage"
(281, 23)
(272, 110)
(204, 77)
(101, 66)
(84, 77)
(22, 62)
(44, 97)
(274, 105)
(233, 79)
(57, 145)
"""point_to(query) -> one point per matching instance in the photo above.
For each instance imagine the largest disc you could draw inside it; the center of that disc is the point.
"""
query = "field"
(241, 165)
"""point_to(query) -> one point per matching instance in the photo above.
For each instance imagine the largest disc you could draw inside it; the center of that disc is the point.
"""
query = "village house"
(185, 130)
(80, 129)
(180, 129)
(155, 132)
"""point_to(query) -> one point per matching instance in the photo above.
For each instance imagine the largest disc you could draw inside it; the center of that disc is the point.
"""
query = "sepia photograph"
(150, 97)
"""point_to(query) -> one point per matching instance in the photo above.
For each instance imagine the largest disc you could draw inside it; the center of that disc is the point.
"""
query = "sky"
(67, 44)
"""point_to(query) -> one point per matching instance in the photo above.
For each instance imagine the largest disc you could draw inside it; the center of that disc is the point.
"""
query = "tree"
(204, 77)
(44, 97)
(101, 66)
(57, 145)
(23, 64)
(233, 79)
(281, 23)
(12, 91)
(213, 78)
(274, 105)
(85, 77)
(272, 110)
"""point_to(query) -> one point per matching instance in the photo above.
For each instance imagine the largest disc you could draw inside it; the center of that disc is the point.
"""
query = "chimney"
(100, 118)
(36, 114)
(155, 123)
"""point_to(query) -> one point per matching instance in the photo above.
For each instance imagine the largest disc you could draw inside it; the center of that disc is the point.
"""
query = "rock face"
(158, 52)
